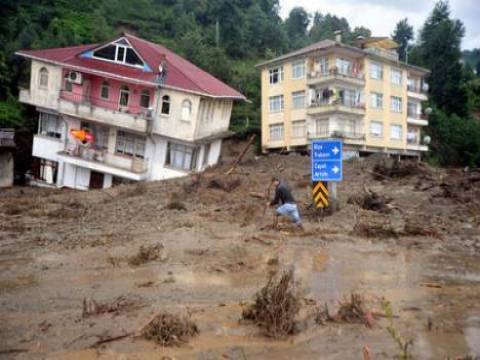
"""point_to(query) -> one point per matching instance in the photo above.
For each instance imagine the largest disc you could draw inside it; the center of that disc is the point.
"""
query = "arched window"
(186, 109)
(165, 104)
(105, 90)
(124, 95)
(145, 99)
(43, 77)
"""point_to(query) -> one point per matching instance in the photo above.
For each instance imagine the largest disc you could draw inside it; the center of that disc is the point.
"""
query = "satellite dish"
(427, 140)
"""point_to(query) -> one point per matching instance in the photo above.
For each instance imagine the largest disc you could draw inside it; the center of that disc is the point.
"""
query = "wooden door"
(96, 180)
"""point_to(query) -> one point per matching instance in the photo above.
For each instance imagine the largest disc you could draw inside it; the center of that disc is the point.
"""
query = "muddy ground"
(419, 249)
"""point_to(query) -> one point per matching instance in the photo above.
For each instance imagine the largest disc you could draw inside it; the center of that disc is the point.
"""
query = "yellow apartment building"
(361, 94)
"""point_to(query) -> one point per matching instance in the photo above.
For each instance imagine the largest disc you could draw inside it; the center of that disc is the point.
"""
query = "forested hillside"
(227, 38)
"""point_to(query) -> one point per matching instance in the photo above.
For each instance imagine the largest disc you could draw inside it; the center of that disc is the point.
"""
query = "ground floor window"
(130, 144)
(45, 170)
(183, 157)
(298, 129)
(396, 132)
(276, 132)
(50, 125)
(206, 154)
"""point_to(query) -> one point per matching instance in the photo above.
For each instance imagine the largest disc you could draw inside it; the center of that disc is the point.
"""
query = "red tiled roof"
(181, 74)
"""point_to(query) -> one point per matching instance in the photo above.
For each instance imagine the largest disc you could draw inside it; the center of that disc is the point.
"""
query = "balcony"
(84, 107)
(414, 118)
(351, 78)
(42, 98)
(348, 137)
(132, 168)
(417, 92)
(46, 147)
(384, 53)
(342, 105)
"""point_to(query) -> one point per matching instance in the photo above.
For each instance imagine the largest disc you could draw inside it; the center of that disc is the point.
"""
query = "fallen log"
(242, 154)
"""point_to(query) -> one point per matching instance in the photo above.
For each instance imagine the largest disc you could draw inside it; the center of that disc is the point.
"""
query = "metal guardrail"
(340, 134)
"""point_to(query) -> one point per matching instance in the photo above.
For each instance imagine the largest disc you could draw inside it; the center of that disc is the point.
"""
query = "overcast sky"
(380, 16)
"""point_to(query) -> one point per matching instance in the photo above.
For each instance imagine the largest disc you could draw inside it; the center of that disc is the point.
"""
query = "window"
(68, 85)
(376, 71)
(43, 77)
(206, 154)
(276, 75)
(124, 95)
(186, 110)
(298, 129)
(376, 100)
(298, 69)
(181, 157)
(120, 52)
(276, 103)
(45, 170)
(321, 127)
(396, 104)
(50, 125)
(298, 99)
(412, 110)
(130, 144)
(276, 132)
(100, 134)
(104, 90)
(396, 132)
(322, 65)
(376, 129)
(145, 99)
(165, 104)
(396, 77)
(344, 66)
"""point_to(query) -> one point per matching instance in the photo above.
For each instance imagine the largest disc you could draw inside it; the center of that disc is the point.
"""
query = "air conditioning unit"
(75, 77)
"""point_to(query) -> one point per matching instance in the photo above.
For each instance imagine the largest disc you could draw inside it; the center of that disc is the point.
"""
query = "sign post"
(327, 170)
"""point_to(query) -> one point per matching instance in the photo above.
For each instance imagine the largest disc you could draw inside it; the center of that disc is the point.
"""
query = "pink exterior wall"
(91, 88)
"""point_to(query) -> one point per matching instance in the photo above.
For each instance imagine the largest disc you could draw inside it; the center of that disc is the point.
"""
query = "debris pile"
(120, 304)
(371, 200)
(169, 329)
(276, 306)
(227, 185)
(148, 253)
(389, 168)
(352, 309)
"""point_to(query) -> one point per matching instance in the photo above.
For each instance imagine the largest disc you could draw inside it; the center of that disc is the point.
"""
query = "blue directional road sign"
(327, 160)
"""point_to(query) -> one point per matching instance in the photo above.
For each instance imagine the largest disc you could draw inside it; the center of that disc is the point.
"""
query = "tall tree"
(296, 26)
(440, 40)
(402, 34)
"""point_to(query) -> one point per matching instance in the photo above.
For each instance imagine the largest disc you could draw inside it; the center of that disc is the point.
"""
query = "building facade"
(152, 114)
(361, 94)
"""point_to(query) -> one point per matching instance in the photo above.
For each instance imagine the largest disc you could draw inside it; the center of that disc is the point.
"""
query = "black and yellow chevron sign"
(320, 194)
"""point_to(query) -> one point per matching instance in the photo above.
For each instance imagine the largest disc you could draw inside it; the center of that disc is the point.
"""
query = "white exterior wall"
(172, 125)
(158, 153)
(46, 97)
(220, 121)
(46, 147)
(76, 177)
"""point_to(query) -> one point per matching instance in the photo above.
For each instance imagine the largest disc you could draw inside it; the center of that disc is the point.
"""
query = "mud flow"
(83, 274)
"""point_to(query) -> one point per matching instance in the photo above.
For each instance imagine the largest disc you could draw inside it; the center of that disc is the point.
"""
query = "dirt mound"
(170, 330)
(371, 200)
(275, 307)
(226, 184)
(390, 168)
(120, 304)
(148, 253)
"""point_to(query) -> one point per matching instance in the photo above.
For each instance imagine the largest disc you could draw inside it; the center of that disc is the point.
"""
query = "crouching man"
(287, 207)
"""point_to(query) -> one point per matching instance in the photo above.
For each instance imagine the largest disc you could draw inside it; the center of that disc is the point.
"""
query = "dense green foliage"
(403, 34)
(227, 38)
